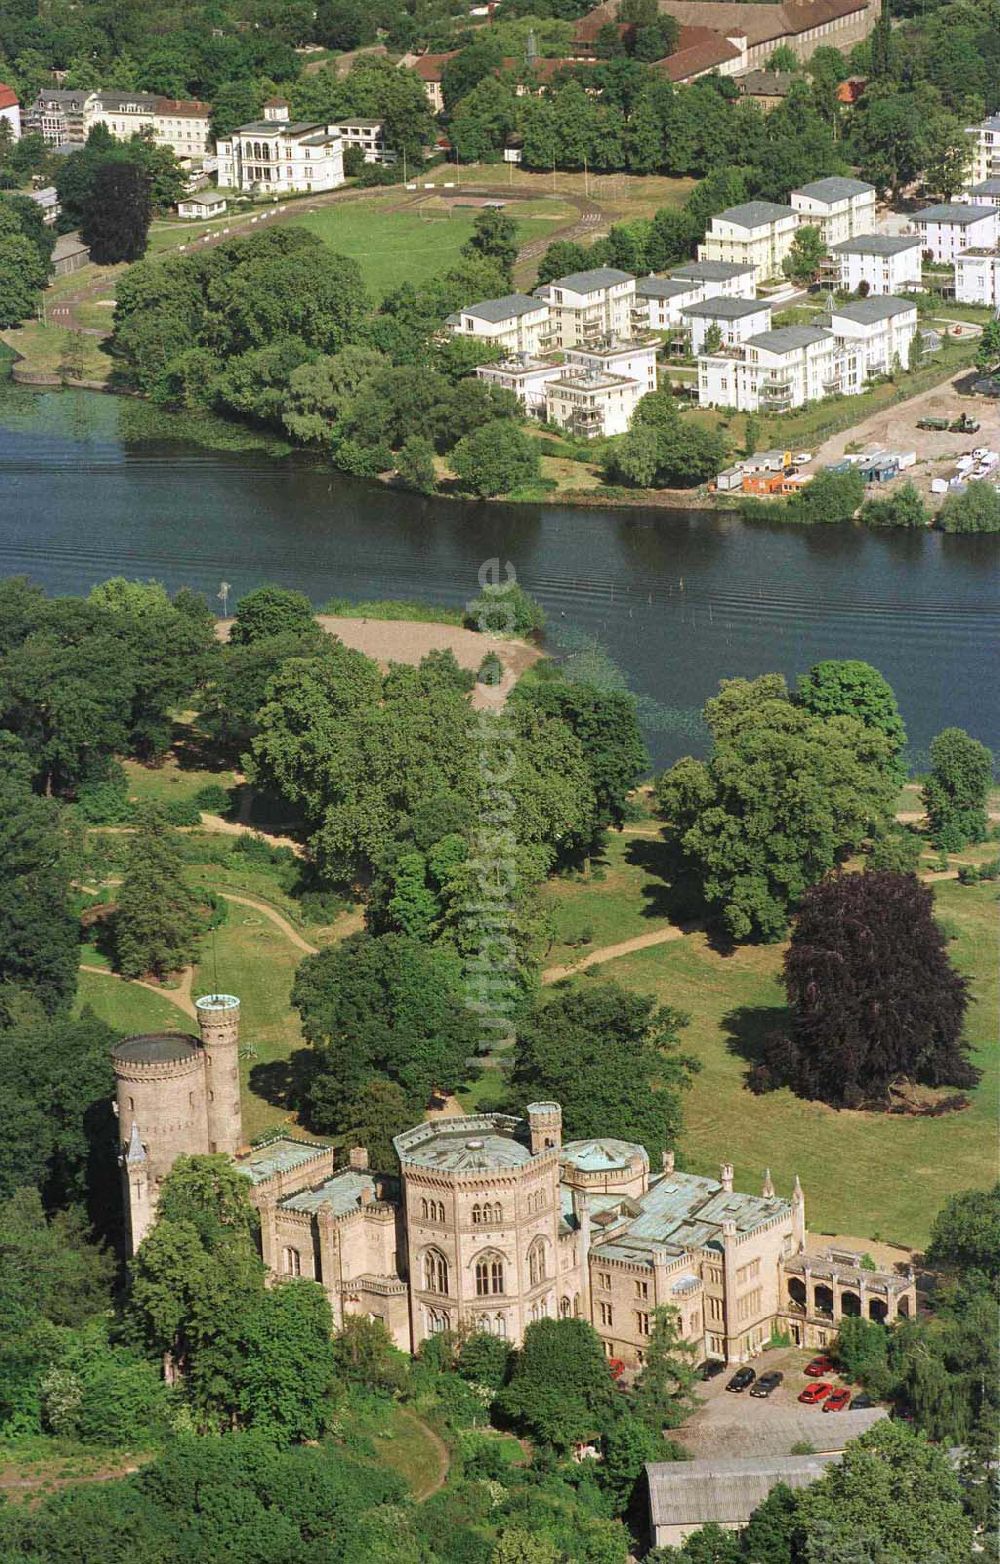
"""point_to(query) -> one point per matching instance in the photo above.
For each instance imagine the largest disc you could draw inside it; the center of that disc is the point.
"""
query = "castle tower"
(726, 1177)
(545, 1124)
(219, 1020)
(160, 1079)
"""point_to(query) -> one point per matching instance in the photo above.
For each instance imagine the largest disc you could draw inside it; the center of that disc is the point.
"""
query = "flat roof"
(722, 307)
(835, 188)
(155, 1048)
(277, 1156)
(507, 307)
(341, 1193)
(877, 244)
(755, 214)
(960, 213)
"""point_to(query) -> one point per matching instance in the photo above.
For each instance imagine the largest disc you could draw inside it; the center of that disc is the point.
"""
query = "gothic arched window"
(435, 1271)
(536, 1262)
(489, 1275)
(292, 1262)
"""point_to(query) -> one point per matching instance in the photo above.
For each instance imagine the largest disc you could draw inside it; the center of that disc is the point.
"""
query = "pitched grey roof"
(479, 1142)
(691, 1493)
(783, 339)
(495, 310)
(878, 307)
(755, 214)
(877, 244)
(589, 282)
(777, 1433)
(834, 189)
(710, 271)
(661, 287)
(954, 212)
(724, 308)
(988, 188)
(119, 102)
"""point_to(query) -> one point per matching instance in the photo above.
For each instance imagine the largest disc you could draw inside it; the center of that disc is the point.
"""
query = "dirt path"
(44, 1485)
(611, 952)
(440, 1448)
(275, 917)
(180, 996)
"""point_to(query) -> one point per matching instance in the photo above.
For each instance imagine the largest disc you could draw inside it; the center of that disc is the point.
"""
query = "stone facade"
(494, 1222)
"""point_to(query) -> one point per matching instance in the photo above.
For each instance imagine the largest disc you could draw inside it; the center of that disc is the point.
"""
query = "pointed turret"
(768, 1188)
(135, 1151)
(798, 1214)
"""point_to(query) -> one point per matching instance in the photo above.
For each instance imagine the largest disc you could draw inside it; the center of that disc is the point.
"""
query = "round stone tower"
(219, 1020)
(161, 1113)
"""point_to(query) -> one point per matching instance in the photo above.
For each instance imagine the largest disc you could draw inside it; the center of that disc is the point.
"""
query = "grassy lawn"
(171, 782)
(394, 247)
(47, 348)
(127, 1007)
(623, 196)
(622, 898)
(866, 1174)
(402, 1445)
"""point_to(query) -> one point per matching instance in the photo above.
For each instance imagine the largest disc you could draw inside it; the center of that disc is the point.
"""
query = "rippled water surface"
(92, 486)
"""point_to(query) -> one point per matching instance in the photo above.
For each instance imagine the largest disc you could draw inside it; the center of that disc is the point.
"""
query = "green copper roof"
(278, 1156)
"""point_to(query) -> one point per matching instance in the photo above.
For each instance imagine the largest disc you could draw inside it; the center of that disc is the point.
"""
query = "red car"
(818, 1367)
(814, 1393)
(837, 1400)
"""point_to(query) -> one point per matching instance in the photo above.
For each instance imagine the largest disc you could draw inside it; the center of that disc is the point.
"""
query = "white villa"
(65, 118)
(737, 319)
(839, 208)
(985, 149)
(369, 135)
(592, 402)
(878, 329)
(888, 263)
(585, 306)
(660, 301)
(953, 226)
(516, 323)
(757, 234)
(277, 156)
(593, 391)
(774, 371)
(733, 279)
(977, 277)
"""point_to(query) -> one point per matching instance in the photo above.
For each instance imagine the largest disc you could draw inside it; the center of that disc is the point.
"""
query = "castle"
(494, 1221)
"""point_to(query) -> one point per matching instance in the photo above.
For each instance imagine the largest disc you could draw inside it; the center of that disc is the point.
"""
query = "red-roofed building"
(851, 90)
(429, 68)
(700, 51)
(10, 110)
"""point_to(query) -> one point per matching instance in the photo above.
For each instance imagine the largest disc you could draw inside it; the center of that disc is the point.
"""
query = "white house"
(878, 330)
(778, 370)
(48, 200)
(839, 208)
(515, 323)
(185, 125)
(659, 301)
(733, 279)
(977, 278)
(953, 226)
(202, 204)
(10, 110)
(277, 156)
(123, 114)
(369, 135)
(757, 234)
(985, 193)
(589, 402)
(526, 377)
(985, 149)
(888, 263)
(62, 117)
(635, 360)
(585, 306)
(737, 319)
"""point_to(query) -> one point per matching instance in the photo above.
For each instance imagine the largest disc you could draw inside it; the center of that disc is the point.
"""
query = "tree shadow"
(673, 891)
(756, 1033)
(285, 1083)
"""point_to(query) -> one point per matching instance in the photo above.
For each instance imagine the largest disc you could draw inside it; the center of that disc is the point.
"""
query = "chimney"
(668, 1162)
(768, 1189)
(357, 1157)
(726, 1177)
(365, 1196)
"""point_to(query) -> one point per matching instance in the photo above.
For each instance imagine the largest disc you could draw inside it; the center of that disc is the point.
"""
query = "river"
(95, 486)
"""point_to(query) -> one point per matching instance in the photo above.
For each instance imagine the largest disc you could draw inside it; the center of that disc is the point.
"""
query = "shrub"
(504, 609)
(181, 811)
(104, 803)
(213, 798)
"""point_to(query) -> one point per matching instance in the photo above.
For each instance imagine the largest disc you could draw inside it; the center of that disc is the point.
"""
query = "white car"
(801, 458)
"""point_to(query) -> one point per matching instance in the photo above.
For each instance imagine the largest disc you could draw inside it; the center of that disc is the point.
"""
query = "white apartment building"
(514, 323)
(985, 193)
(185, 124)
(660, 300)
(635, 360)
(527, 377)
(888, 263)
(737, 320)
(985, 149)
(62, 117)
(839, 208)
(369, 135)
(878, 330)
(66, 118)
(777, 370)
(953, 226)
(10, 110)
(731, 279)
(585, 306)
(757, 234)
(977, 278)
(590, 402)
(278, 156)
(122, 114)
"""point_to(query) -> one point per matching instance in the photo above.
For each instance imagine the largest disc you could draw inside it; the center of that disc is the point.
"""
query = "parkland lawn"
(414, 245)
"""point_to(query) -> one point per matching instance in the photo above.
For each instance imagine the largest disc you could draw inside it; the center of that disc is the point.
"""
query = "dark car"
(741, 1379)
(711, 1367)
(768, 1383)
(861, 1403)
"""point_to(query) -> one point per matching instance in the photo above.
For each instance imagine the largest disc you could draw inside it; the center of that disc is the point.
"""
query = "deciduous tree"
(956, 790)
(157, 921)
